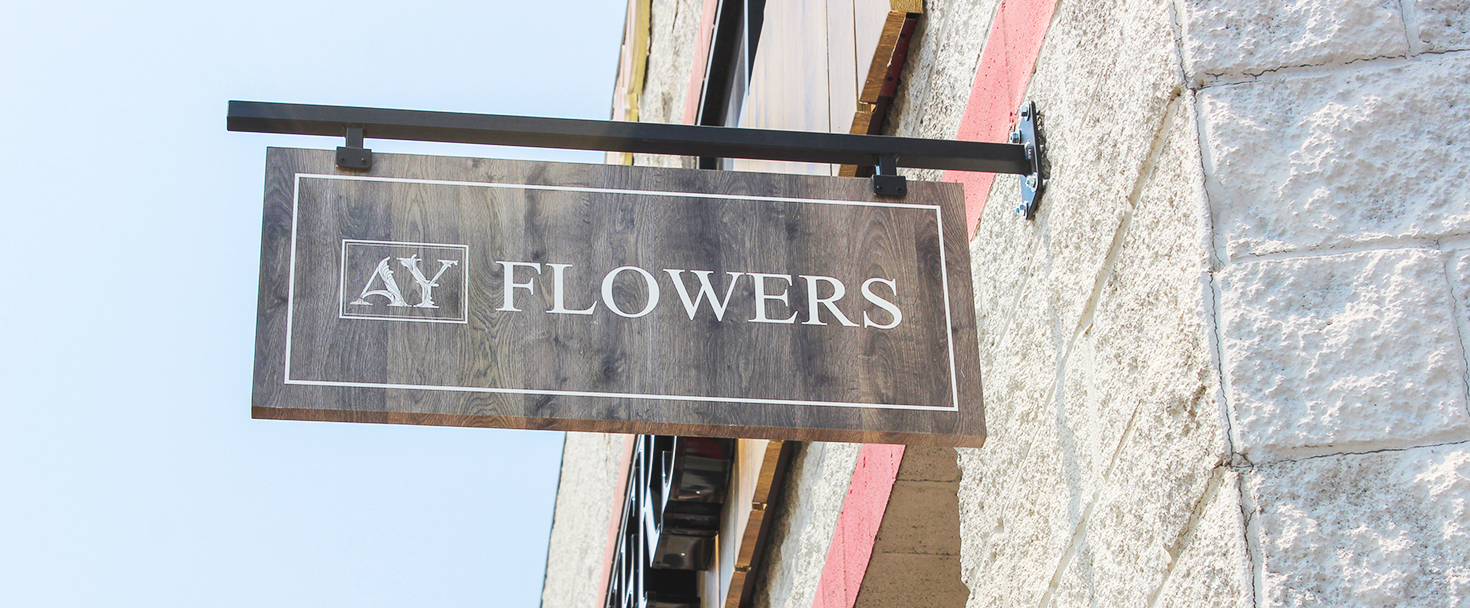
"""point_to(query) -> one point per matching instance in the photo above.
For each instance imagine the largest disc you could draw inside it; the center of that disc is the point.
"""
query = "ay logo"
(403, 281)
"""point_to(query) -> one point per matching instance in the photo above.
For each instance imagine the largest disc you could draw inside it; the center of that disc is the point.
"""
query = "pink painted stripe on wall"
(857, 525)
(1005, 69)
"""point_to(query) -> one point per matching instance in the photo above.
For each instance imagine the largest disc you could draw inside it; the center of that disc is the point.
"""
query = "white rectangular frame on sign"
(943, 276)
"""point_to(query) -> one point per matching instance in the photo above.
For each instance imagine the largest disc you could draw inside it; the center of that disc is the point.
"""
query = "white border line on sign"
(943, 272)
(464, 316)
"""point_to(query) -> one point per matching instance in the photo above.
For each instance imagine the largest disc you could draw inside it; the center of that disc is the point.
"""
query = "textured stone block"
(1016, 522)
(1012, 500)
(1127, 557)
(1144, 427)
(921, 517)
(1356, 156)
(1251, 37)
(928, 581)
(1143, 517)
(1214, 568)
(1095, 168)
(1348, 352)
(1440, 25)
(1384, 529)
(1142, 361)
(1147, 342)
(1025, 493)
(1097, 164)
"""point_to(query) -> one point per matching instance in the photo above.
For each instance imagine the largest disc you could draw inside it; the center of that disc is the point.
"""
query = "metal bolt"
(1016, 137)
(1031, 182)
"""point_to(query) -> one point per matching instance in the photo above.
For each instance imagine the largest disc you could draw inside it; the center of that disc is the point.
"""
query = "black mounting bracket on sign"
(1021, 156)
(353, 155)
(1028, 134)
(886, 180)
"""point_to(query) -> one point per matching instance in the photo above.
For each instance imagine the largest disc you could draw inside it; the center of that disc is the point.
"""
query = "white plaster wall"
(1225, 366)
(576, 557)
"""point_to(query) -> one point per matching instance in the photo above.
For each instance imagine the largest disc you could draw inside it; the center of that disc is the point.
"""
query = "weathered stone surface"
(1140, 525)
(934, 88)
(1358, 155)
(1145, 344)
(1342, 353)
(927, 463)
(1383, 529)
(1095, 167)
(672, 31)
(805, 521)
(1012, 500)
(1214, 569)
(1251, 37)
(1440, 25)
(929, 582)
(1016, 518)
(1134, 419)
(1145, 431)
(582, 519)
(921, 517)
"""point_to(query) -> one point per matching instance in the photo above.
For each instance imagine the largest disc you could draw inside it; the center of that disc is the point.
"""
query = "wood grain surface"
(333, 344)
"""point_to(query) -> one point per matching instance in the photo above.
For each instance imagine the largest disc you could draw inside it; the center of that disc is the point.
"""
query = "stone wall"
(1226, 363)
(1336, 136)
(586, 498)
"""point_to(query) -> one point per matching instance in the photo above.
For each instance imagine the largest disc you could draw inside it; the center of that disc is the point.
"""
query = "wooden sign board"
(474, 292)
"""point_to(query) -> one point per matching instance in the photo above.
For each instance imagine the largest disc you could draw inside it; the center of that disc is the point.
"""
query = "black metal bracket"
(354, 155)
(886, 180)
(1028, 134)
(645, 138)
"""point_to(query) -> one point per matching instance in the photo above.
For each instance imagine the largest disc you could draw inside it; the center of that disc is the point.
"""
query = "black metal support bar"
(647, 138)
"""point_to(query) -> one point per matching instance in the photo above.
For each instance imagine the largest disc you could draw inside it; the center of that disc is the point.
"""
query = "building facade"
(1225, 365)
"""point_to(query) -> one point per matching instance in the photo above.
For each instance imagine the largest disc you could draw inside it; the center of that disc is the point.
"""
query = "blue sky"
(131, 473)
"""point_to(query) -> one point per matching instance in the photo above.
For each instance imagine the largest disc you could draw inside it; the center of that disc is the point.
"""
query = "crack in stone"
(1320, 251)
(1459, 327)
(1212, 79)
(1186, 536)
(1383, 450)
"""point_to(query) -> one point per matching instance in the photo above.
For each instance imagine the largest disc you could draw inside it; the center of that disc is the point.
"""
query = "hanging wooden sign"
(473, 292)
